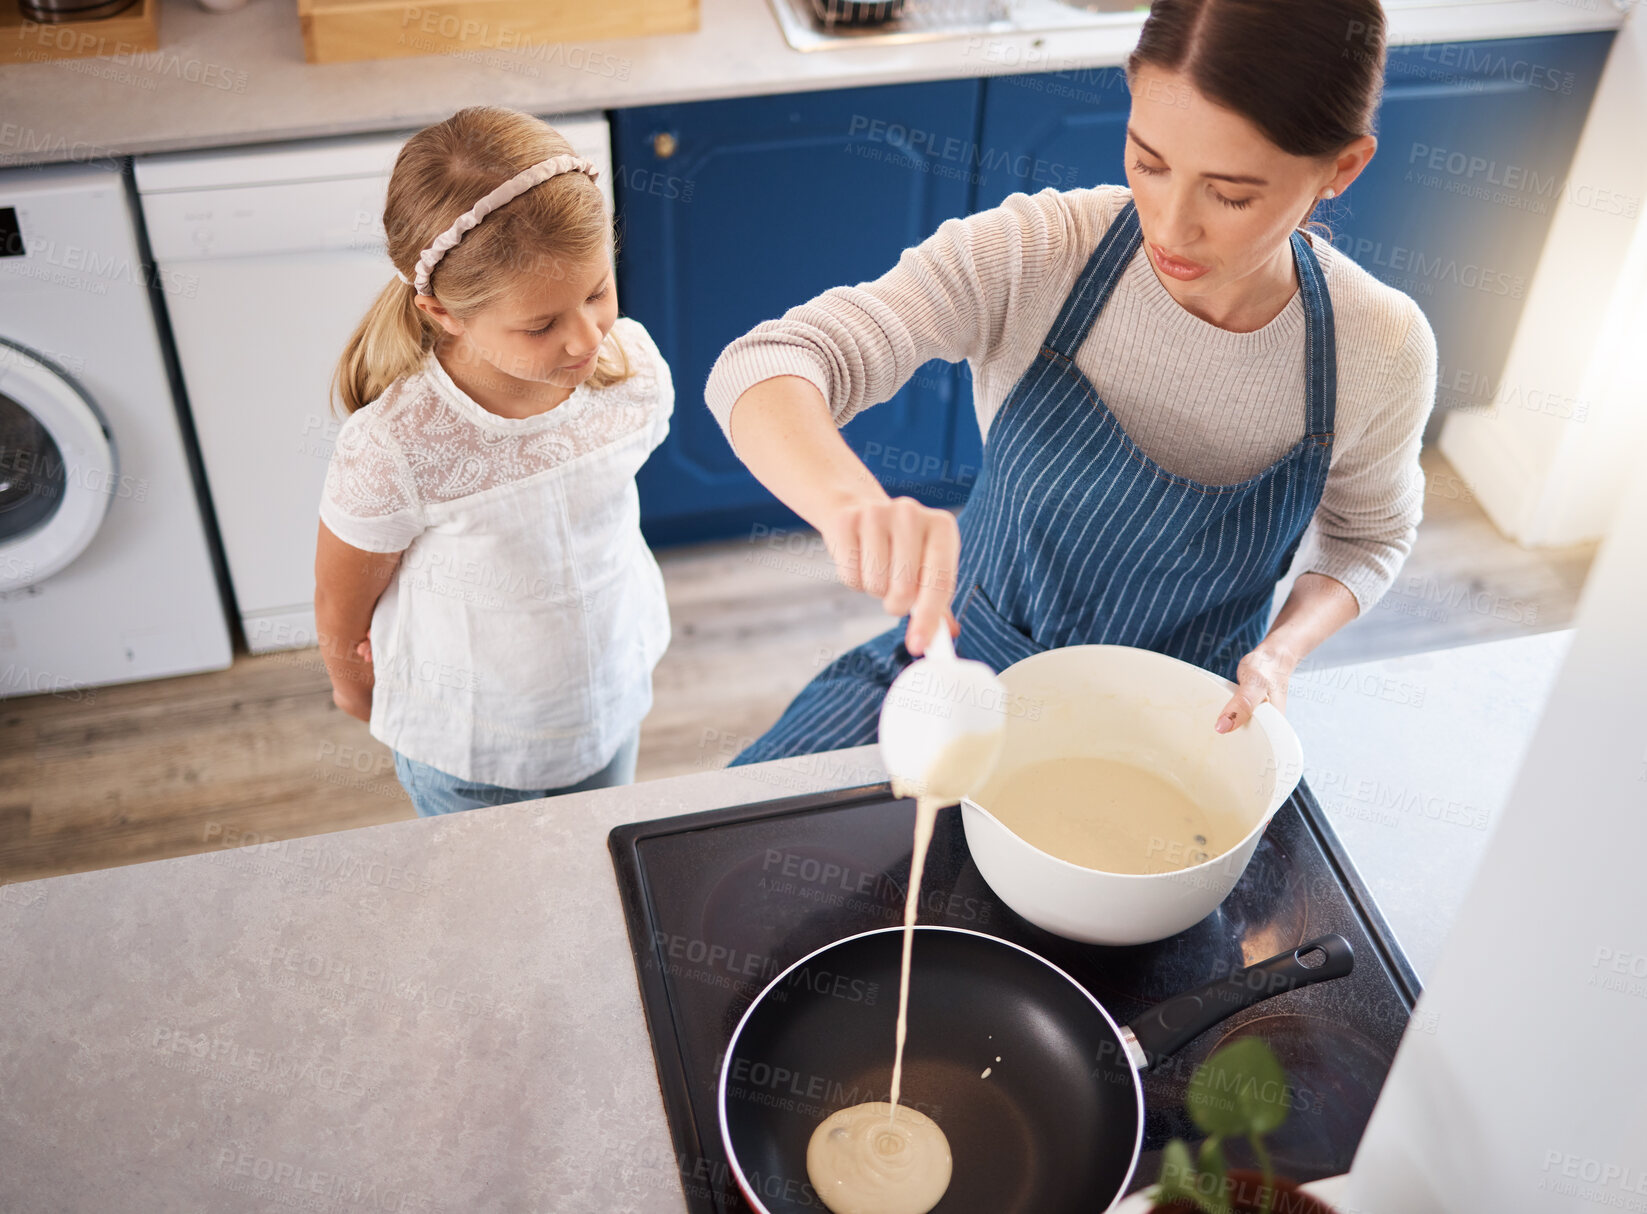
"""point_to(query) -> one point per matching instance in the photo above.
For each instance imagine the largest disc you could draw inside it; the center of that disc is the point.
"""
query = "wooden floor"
(257, 752)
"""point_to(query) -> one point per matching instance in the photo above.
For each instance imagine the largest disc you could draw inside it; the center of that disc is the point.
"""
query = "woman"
(1173, 379)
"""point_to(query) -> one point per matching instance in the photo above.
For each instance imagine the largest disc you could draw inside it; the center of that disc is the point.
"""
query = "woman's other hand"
(1318, 606)
(1263, 675)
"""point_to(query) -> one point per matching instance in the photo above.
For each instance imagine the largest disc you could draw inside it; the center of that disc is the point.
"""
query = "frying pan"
(1057, 1125)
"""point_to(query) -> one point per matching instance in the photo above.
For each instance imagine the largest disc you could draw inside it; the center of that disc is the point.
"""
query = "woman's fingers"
(844, 546)
(907, 548)
(1261, 676)
(918, 637)
(875, 551)
(1239, 710)
(937, 570)
(1252, 690)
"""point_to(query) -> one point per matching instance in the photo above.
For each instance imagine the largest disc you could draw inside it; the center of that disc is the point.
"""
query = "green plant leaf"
(1240, 1090)
(1177, 1181)
(1268, 1170)
(1212, 1157)
(1213, 1190)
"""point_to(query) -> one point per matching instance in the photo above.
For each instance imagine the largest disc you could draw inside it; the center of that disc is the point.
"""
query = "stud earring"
(1329, 194)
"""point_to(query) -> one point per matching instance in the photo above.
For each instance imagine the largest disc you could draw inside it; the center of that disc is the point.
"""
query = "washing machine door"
(57, 468)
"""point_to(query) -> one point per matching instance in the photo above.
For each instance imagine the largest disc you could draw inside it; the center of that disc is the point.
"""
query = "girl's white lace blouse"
(516, 644)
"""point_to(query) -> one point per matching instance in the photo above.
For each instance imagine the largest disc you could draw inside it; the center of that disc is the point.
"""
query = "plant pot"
(1248, 1188)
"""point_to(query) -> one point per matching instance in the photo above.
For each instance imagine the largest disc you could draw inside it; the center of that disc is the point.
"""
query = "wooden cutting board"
(548, 34)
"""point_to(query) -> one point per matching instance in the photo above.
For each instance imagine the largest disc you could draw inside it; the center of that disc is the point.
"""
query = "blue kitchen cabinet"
(732, 212)
(1475, 140)
(1474, 144)
(1052, 129)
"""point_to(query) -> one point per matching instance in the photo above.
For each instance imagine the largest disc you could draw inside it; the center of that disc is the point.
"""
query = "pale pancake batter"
(1110, 815)
(862, 1163)
(873, 1158)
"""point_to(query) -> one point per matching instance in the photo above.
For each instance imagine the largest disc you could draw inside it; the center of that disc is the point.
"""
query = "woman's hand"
(1263, 675)
(1317, 607)
(904, 553)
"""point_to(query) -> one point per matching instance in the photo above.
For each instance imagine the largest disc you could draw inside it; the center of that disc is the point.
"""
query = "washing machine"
(285, 245)
(106, 573)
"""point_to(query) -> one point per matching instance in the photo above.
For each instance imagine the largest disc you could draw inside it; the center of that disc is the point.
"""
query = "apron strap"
(1320, 343)
(1093, 288)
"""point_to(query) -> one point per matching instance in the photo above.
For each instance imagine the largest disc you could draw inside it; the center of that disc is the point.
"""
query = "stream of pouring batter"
(960, 765)
(926, 817)
(858, 1164)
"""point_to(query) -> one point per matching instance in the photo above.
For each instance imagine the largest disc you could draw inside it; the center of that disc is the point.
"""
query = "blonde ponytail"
(389, 342)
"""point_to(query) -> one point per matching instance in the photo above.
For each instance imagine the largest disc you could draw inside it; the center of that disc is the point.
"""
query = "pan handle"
(1169, 1026)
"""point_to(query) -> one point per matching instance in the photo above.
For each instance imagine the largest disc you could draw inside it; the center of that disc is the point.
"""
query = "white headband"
(515, 186)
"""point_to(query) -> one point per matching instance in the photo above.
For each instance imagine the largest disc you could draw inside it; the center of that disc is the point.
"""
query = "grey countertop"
(442, 1014)
(430, 1015)
(1411, 759)
(222, 79)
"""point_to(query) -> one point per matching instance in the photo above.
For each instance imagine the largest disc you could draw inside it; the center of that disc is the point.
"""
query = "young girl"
(483, 595)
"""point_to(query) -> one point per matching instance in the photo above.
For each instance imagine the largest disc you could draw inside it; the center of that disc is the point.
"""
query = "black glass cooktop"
(718, 904)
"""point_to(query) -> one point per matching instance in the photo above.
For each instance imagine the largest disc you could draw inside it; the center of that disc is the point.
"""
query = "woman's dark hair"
(1307, 73)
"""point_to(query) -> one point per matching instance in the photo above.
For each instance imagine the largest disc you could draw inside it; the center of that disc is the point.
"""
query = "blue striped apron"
(1073, 536)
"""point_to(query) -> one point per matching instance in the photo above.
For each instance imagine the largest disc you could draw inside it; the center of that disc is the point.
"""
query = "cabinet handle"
(664, 145)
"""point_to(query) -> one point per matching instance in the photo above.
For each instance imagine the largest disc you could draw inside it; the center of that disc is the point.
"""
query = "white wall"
(1549, 459)
(1530, 1095)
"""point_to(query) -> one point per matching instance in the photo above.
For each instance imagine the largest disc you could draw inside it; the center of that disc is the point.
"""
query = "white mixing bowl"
(1144, 708)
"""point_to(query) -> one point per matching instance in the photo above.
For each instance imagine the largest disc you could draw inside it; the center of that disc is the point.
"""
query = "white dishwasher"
(286, 244)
